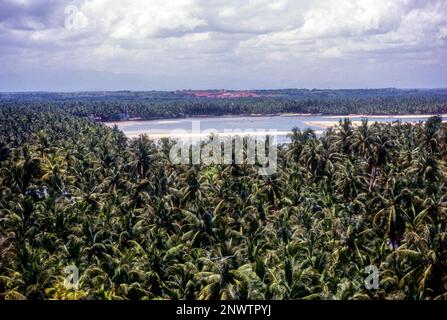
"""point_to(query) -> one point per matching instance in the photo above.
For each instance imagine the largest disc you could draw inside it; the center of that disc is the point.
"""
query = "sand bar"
(397, 116)
(202, 135)
(328, 124)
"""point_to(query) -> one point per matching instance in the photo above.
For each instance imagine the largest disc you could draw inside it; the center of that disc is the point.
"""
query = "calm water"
(282, 124)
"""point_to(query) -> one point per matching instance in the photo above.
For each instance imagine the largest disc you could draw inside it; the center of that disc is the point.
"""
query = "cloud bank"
(174, 44)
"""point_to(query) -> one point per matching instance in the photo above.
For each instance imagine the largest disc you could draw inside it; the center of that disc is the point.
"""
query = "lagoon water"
(282, 124)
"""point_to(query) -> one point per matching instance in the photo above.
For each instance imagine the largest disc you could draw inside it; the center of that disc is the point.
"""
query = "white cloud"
(192, 39)
(442, 34)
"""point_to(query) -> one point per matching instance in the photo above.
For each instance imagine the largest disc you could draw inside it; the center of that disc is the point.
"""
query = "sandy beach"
(135, 128)
(328, 124)
(397, 116)
(232, 117)
(202, 135)
(297, 115)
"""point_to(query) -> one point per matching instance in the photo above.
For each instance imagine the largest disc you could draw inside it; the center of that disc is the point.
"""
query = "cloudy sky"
(245, 44)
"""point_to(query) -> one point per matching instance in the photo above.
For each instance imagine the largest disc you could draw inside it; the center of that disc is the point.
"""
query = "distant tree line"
(156, 105)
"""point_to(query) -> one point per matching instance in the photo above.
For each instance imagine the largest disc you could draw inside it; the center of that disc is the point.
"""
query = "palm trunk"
(372, 178)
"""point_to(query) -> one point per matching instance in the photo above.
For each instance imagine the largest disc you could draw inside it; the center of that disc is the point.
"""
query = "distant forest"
(122, 105)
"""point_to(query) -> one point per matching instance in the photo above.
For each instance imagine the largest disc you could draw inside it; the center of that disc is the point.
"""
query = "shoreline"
(125, 123)
(322, 123)
(202, 135)
(330, 124)
(391, 116)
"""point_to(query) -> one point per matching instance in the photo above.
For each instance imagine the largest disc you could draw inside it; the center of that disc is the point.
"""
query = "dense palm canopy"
(74, 192)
